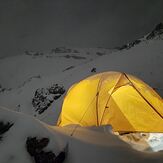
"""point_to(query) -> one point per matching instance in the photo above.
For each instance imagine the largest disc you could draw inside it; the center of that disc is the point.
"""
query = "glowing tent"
(120, 100)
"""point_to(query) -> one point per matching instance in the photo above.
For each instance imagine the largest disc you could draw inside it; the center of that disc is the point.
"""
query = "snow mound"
(13, 142)
(99, 144)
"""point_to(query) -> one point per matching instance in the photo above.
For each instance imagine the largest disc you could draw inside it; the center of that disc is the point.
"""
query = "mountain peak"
(157, 31)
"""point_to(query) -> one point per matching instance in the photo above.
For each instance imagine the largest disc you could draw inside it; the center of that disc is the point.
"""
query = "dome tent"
(118, 99)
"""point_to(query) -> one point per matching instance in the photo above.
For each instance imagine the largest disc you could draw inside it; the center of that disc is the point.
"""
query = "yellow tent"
(123, 101)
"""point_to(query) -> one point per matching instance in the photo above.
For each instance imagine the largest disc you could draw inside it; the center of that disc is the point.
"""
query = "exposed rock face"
(4, 127)
(64, 50)
(4, 89)
(93, 69)
(74, 57)
(33, 53)
(35, 148)
(100, 53)
(68, 68)
(45, 96)
(156, 32)
(130, 45)
(61, 50)
(1, 89)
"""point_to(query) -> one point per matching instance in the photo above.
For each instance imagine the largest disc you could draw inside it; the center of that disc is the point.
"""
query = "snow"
(12, 146)
(23, 67)
(86, 145)
(93, 145)
(155, 141)
(24, 74)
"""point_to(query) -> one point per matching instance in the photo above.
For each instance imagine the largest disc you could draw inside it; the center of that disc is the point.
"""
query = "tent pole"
(110, 96)
(97, 97)
(76, 126)
(143, 96)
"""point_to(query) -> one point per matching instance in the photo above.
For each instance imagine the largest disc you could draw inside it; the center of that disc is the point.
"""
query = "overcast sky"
(44, 24)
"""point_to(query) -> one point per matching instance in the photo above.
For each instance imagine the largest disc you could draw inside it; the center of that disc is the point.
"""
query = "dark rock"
(33, 53)
(68, 68)
(130, 45)
(45, 157)
(43, 97)
(75, 51)
(4, 89)
(78, 57)
(74, 57)
(93, 69)
(123, 47)
(35, 147)
(62, 50)
(133, 43)
(56, 89)
(4, 127)
(61, 157)
(67, 56)
(158, 30)
(57, 97)
(100, 53)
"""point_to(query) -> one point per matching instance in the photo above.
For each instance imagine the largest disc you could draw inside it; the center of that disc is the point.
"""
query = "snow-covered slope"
(13, 146)
(21, 75)
(18, 70)
(94, 145)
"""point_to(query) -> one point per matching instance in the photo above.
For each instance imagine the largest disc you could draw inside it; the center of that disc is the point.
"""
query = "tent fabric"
(113, 98)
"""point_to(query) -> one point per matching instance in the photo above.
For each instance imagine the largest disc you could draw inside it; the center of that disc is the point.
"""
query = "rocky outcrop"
(130, 45)
(43, 97)
(64, 50)
(4, 89)
(68, 68)
(4, 127)
(33, 53)
(74, 57)
(100, 53)
(35, 147)
(158, 30)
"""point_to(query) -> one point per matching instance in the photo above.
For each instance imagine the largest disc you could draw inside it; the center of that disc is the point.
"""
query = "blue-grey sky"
(44, 24)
